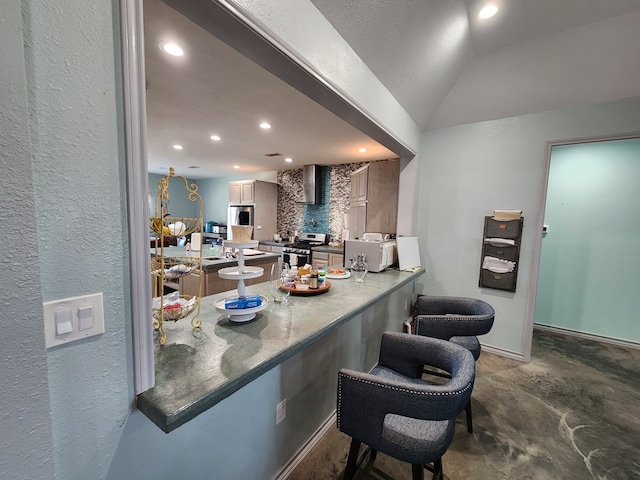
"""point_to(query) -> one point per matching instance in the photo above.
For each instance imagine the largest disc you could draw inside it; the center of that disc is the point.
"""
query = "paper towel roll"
(346, 221)
(196, 242)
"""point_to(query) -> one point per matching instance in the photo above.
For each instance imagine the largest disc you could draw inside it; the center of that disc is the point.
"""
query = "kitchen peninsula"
(210, 267)
(295, 349)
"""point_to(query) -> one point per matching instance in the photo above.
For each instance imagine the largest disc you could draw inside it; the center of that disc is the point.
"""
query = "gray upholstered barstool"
(393, 412)
(456, 319)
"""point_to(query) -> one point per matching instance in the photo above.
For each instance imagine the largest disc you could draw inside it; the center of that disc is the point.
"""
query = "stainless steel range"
(299, 253)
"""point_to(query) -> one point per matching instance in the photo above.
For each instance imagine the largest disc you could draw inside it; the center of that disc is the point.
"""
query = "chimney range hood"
(312, 184)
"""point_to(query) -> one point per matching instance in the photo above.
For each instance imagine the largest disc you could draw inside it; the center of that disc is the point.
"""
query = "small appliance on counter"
(380, 253)
(214, 232)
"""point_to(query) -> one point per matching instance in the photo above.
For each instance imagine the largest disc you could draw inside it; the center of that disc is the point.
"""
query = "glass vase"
(359, 268)
(279, 278)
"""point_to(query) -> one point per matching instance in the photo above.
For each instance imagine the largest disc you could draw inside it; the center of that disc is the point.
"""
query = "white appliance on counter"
(380, 254)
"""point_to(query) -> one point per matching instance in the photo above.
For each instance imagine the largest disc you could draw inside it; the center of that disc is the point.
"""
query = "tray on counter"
(307, 291)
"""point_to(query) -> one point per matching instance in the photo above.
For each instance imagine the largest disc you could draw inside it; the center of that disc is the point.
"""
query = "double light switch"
(73, 318)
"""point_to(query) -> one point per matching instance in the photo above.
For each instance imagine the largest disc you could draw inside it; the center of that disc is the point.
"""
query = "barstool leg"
(469, 417)
(417, 471)
(437, 470)
(352, 460)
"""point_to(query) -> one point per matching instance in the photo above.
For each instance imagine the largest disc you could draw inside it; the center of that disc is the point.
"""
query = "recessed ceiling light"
(265, 125)
(236, 166)
(172, 49)
(177, 147)
(488, 11)
(288, 160)
(362, 150)
(215, 138)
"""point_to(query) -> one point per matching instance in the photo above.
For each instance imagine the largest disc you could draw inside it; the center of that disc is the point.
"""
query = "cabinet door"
(336, 260)
(317, 264)
(382, 197)
(246, 193)
(190, 285)
(235, 193)
(363, 184)
(359, 182)
(357, 220)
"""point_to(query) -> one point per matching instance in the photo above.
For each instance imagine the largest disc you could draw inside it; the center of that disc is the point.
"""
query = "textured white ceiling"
(446, 67)
(215, 90)
(442, 64)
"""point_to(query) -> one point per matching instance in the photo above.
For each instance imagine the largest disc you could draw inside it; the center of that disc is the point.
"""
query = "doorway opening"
(589, 266)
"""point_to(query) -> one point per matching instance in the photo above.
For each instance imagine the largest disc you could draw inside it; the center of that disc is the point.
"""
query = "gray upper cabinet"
(374, 198)
(263, 196)
(242, 192)
(359, 184)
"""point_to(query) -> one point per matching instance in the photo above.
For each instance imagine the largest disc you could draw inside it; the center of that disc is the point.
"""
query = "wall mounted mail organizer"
(501, 250)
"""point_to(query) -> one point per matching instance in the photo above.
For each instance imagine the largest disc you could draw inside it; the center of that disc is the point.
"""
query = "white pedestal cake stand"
(241, 273)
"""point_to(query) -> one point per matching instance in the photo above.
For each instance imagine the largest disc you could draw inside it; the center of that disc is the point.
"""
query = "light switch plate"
(86, 313)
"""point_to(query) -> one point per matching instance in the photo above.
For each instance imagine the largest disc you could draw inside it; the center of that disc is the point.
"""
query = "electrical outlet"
(281, 411)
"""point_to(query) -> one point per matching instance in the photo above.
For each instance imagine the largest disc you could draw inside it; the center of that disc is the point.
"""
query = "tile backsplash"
(324, 217)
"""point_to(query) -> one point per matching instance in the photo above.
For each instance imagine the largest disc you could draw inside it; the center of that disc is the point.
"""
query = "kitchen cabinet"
(336, 260)
(357, 219)
(319, 260)
(212, 283)
(270, 248)
(242, 192)
(374, 198)
(359, 180)
(264, 198)
(326, 259)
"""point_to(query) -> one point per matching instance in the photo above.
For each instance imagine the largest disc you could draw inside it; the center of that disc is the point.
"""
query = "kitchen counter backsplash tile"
(290, 212)
(325, 217)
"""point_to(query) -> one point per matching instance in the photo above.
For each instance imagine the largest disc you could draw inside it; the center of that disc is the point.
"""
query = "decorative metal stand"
(167, 271)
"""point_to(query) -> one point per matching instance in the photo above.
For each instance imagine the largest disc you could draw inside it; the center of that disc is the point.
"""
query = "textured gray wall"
(26, 446)
(80, 198)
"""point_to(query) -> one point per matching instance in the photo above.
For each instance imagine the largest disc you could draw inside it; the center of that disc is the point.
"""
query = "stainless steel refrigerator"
(239, 215)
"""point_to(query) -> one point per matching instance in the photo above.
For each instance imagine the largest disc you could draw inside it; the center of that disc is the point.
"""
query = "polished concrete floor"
(573, 412)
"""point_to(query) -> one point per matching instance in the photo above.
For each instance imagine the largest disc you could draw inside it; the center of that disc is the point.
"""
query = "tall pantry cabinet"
(374, 198)
(263, 196)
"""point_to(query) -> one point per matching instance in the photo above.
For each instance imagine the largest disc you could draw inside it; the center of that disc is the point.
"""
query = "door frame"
(537, 247)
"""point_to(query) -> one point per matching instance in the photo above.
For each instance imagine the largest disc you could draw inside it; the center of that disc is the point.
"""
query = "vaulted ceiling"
(446, 66)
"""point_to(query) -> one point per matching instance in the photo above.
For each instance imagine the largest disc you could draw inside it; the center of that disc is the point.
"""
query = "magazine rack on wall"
(500, 253)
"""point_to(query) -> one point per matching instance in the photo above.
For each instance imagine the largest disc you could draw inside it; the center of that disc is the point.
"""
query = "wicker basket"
(175, 314)
(241, 233)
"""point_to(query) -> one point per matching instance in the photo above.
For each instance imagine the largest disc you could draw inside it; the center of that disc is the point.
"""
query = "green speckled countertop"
(198, 368)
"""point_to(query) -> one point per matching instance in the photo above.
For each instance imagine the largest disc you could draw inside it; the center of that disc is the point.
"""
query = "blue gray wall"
(26, 443)
(589, 275)
(178, 204)
(468, 171)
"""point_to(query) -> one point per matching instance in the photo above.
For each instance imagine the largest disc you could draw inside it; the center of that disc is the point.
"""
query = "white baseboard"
(307, 447)
(503, 353)
(587, 336)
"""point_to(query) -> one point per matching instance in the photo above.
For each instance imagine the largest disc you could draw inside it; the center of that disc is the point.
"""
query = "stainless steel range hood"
(312, 184)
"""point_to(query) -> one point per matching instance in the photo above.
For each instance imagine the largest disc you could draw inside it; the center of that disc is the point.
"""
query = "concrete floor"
(573, 412)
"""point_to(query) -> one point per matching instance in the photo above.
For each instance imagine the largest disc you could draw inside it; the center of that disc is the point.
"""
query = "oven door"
(300, 259)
